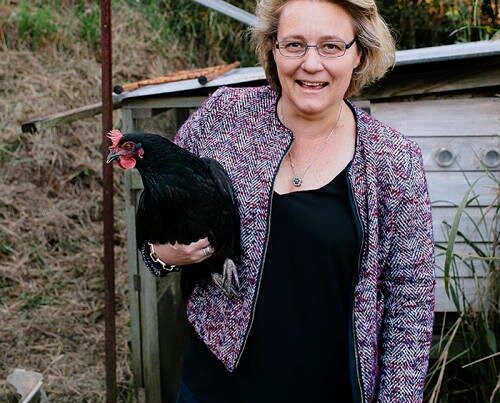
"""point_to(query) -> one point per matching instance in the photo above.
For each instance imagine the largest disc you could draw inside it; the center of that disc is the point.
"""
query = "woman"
(336, 300)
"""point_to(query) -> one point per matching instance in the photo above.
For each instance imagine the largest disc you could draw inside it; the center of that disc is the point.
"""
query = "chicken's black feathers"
(186, 198)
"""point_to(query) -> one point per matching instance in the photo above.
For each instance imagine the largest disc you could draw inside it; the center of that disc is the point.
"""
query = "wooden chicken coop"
(445, 98)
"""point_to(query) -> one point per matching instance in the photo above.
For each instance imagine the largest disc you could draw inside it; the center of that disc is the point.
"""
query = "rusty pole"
(107, 186)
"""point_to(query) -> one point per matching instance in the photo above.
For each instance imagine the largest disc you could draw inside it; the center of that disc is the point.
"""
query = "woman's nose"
(312, 61)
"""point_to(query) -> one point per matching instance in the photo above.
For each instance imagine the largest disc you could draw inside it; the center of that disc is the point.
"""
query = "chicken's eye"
(129, 146)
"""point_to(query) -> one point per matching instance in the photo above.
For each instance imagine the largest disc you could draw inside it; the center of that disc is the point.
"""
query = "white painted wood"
(466, 262)
(470, 153)
(474, 76)
(447, 188)
(472, 289)
(471, 225)
(441, 117)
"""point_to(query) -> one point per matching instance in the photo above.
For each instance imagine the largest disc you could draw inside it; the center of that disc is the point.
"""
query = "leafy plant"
(420, 23)
(466, 367)
(205, 37)
(475, 21)
(90, 29)
(35, 26)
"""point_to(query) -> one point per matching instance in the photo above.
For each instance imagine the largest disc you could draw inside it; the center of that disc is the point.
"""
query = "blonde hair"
(372, 37)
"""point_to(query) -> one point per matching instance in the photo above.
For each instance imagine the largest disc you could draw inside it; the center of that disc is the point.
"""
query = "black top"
(297, 350)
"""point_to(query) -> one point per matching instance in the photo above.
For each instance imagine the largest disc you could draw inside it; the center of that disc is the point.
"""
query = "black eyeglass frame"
(306, 48)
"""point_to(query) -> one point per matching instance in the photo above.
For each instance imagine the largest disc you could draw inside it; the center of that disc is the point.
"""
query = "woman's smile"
(314, 85)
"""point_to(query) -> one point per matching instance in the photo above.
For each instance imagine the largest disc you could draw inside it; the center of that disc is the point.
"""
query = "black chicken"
(185, 198)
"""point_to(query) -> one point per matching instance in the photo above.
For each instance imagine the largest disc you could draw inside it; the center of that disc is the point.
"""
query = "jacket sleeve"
(199, 123)
(407, 285)
(188, 137)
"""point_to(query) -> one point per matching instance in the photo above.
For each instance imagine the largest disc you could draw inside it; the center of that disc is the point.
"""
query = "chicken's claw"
(228, 281)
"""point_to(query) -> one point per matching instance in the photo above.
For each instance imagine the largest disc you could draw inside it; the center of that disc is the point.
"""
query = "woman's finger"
(207, 251)
(201, 243)
(182, 254)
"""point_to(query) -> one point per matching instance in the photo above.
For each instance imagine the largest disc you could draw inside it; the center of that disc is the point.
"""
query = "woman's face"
(313, 85)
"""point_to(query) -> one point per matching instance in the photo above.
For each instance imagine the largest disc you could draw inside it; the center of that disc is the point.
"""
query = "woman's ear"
(358, 57)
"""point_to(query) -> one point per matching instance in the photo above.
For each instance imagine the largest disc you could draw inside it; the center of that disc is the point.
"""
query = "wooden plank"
(448, 188)
(38, 124)
(203, 75)
(143, 289)
(463, 267)
(467, 153)
(173, 329)
(442, 117)
(194, 101)
(435, 82)
(150, 337)
(472, 289)
(135, 180)
(133, 268)
(174, 334)
(460, 269)
(467, 226)
(142, 113)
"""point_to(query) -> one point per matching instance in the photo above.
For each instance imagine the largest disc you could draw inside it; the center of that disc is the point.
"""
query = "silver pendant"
(297, 181)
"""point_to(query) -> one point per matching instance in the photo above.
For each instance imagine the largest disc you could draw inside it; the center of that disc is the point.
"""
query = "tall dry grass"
(51, 281)
(465, 358)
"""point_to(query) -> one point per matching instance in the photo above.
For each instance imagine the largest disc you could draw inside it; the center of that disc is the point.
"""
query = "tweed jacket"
(393, 300)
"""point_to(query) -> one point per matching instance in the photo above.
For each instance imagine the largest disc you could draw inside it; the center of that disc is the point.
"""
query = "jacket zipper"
(261, 269)
(355, 344)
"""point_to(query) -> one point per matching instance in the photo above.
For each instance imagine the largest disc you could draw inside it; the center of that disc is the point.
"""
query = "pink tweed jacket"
(393, 301)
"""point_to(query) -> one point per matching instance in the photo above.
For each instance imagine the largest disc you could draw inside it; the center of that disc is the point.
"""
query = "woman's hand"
(180, 254)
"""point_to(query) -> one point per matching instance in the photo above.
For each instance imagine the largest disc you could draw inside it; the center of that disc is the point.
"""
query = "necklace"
(298, 179)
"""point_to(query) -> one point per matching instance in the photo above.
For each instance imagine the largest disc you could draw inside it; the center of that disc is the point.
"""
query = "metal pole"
(107, 180)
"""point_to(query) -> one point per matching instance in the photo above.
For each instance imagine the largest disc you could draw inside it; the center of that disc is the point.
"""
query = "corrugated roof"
(459, 51)
(240, 75)
(231, 11)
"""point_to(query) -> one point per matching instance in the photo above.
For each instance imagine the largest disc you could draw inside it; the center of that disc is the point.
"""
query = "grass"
(466, 363)
(204, 36)
(35, 24)
(90, 23)
(474, 21)
(51, 285)
(51, 298)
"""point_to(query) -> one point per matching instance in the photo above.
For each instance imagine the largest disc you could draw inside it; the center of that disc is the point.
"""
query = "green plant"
(90, 29)
(35, 26)
(466, 367)
(203, 36)
(475, 21)
(420, 23)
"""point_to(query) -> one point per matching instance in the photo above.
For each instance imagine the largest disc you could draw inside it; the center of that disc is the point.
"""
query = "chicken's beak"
(113, 155)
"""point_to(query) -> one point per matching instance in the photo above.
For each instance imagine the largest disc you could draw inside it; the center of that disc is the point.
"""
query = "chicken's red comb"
(115, 137)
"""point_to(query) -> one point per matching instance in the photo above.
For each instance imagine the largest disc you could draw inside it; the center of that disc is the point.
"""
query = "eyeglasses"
(328, 49)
